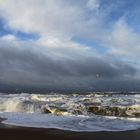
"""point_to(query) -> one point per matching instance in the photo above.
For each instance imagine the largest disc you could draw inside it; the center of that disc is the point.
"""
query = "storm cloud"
(85, 45)
(30, 67)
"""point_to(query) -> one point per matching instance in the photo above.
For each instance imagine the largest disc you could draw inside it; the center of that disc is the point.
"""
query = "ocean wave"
(76, 112)
(76, 104)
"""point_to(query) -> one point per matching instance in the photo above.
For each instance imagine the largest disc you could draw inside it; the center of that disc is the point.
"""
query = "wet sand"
(8, 132)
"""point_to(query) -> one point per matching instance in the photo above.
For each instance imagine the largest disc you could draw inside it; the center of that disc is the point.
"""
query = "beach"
(52, 134)
(8, 132)
(69, 117)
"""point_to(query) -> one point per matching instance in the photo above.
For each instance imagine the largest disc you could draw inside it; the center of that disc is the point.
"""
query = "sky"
(70, 45)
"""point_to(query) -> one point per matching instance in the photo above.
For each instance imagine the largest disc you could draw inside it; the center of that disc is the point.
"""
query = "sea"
(90, 112)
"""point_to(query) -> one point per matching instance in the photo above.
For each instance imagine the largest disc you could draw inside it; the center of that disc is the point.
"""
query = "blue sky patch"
(91, 43)
(4, 30)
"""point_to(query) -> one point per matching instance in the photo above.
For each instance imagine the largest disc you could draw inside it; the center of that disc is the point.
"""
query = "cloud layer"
(56, 60)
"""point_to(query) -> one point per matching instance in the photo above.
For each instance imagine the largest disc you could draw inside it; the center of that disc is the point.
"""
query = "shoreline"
(9, 132)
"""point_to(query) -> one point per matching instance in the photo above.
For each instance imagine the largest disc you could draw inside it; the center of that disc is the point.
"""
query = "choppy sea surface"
(76, 112)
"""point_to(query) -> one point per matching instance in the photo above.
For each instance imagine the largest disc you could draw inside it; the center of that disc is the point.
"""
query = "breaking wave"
(61, 104)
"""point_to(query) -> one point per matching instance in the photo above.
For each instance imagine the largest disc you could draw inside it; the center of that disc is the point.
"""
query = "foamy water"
(75, 112)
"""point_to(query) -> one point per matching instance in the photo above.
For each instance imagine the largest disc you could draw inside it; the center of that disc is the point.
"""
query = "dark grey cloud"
(30, 67)
(56, 59)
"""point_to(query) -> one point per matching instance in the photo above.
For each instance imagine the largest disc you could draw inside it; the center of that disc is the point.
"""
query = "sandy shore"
(8, 132)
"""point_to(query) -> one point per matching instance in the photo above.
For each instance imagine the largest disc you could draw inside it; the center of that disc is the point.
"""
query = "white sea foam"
(77, 112)
(73, 123)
